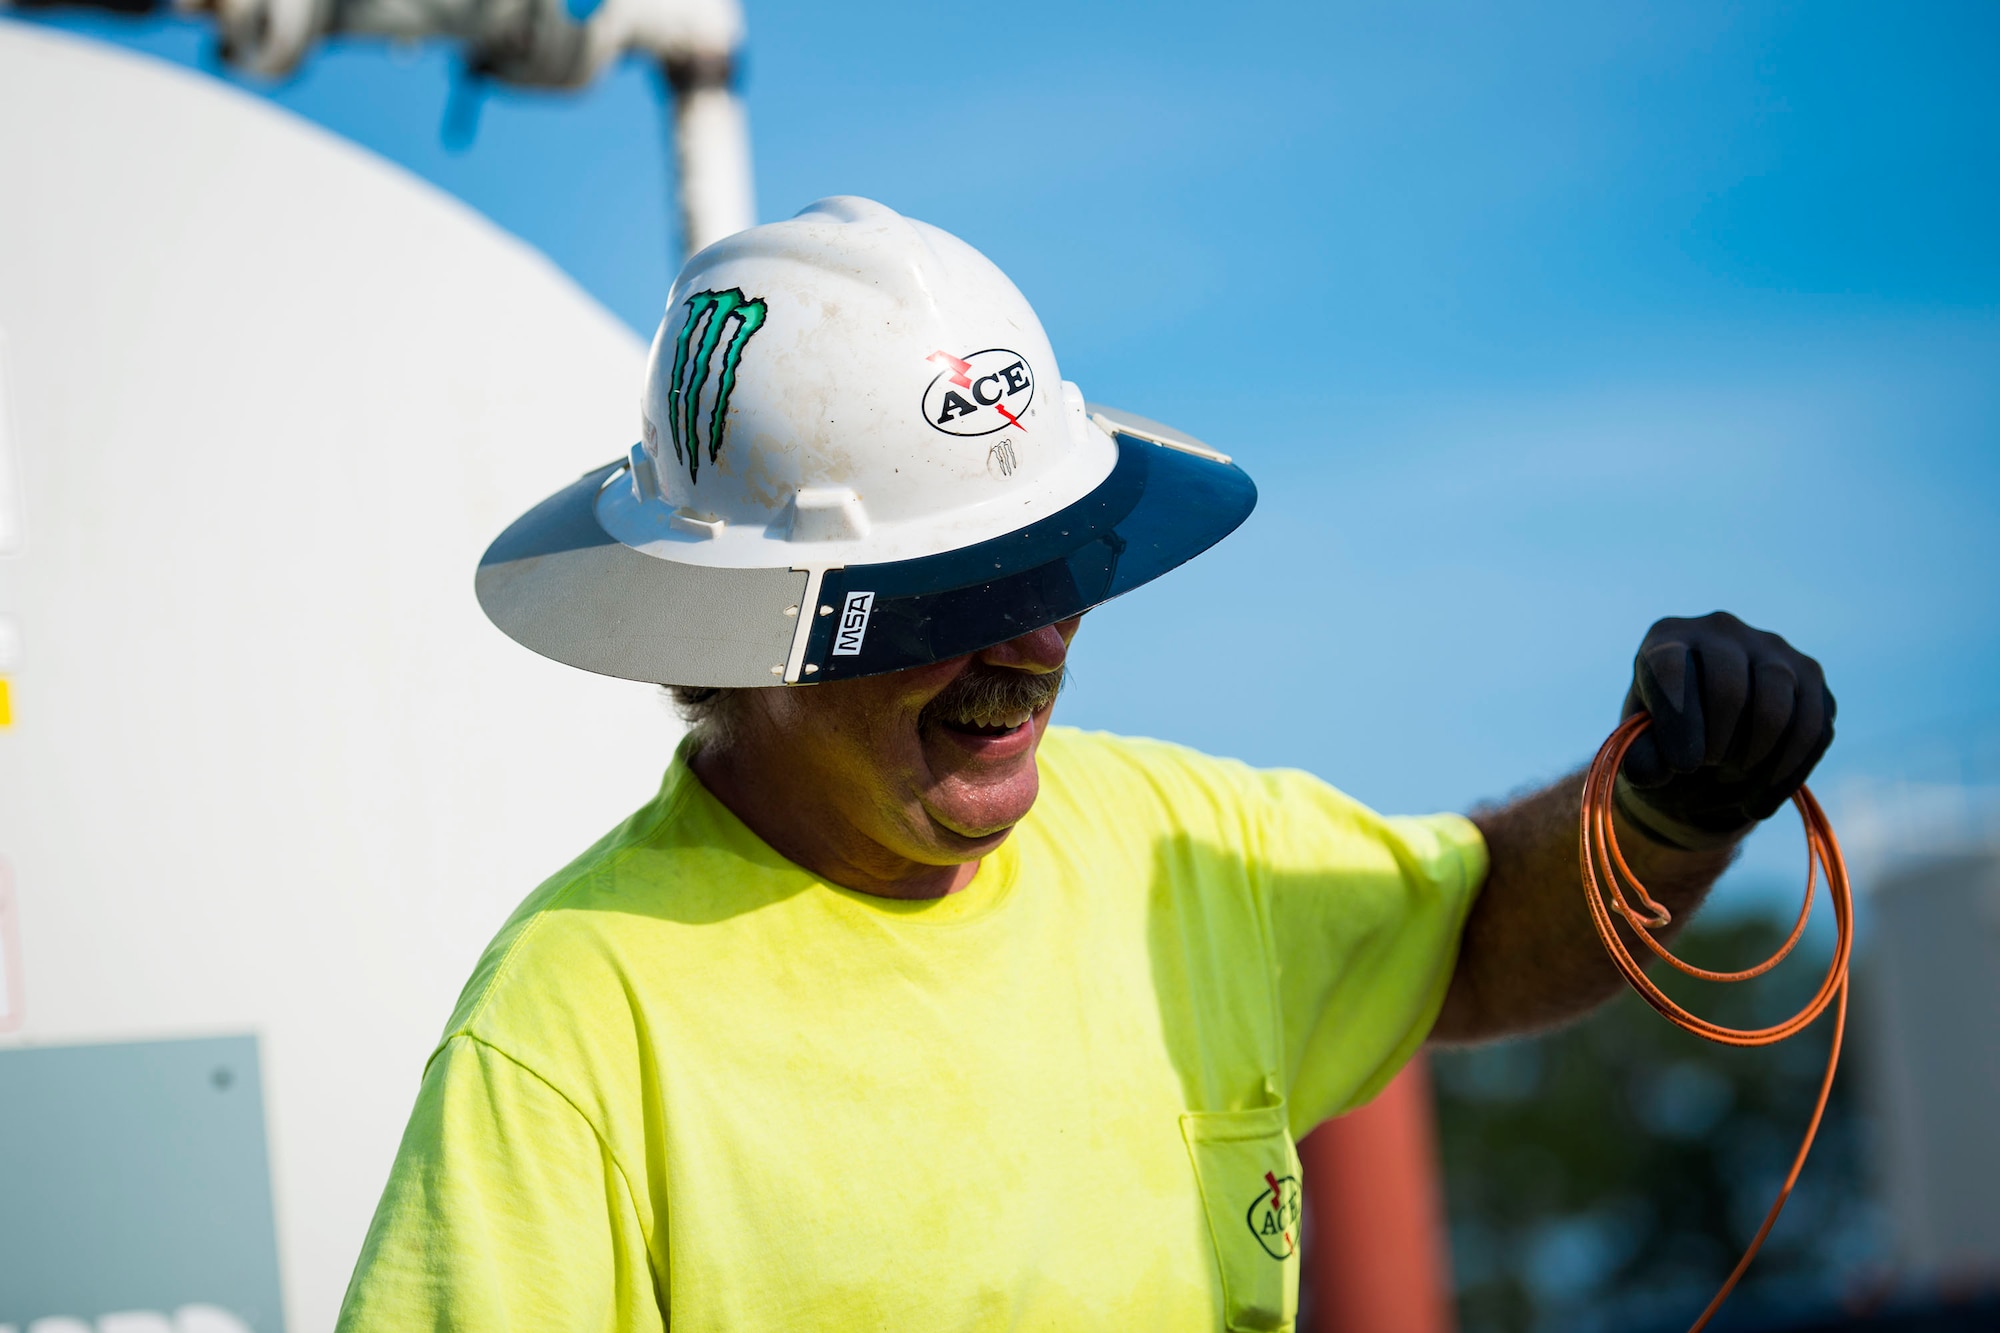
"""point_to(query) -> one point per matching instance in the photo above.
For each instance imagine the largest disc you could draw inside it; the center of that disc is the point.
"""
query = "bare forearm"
(1530, 957)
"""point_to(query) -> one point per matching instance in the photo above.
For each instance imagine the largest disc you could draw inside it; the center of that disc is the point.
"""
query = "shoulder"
(1283, 816)
(1098, 787)
(583, 951)
(1089, 768)
(536, 926)
(1072, 756)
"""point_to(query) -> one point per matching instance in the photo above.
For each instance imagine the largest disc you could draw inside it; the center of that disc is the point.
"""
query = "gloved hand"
(1739, 719)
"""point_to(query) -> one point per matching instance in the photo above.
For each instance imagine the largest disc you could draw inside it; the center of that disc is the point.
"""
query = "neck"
(788, 809)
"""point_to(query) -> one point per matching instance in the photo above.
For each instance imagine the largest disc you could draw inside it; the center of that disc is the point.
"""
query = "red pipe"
(1376, 1255)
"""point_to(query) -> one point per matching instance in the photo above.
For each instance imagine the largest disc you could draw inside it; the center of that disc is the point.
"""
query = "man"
(897, 1009)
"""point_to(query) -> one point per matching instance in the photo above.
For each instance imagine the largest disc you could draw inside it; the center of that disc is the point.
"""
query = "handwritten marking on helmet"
(980, 393)
(725, 323)
(853, 625)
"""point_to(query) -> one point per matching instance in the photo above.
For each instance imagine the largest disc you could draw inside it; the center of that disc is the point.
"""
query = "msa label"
(853, 626)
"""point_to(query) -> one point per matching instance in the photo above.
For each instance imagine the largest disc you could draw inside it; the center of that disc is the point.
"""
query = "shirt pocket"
(1248, 1170)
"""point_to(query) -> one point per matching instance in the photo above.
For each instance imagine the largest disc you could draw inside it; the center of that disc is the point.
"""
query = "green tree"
(1607, 1176)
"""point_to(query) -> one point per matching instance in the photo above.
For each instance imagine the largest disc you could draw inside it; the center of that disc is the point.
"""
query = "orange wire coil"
(1607, 880)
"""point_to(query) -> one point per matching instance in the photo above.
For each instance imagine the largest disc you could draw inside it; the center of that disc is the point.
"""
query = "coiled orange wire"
(1606, 879)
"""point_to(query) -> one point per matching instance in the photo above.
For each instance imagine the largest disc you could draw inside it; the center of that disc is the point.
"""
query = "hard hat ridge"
(847, 236)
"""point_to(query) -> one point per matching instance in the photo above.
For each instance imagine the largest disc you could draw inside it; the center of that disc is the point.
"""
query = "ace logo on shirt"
(1274, 1217)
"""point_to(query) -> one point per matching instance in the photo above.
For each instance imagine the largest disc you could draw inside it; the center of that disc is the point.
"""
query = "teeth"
(1007, 721)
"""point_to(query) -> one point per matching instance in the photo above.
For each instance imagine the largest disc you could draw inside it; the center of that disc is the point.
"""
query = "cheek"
(860, 723)
(861, 733)
(894, 739)
(894, 701)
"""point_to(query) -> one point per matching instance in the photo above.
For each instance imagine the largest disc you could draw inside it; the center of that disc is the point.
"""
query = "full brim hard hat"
(557, 582)
(857, 455)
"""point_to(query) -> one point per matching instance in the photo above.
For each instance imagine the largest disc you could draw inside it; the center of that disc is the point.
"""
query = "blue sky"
(1533, 322)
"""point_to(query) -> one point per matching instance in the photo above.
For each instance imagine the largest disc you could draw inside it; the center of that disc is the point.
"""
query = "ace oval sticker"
(980, 393)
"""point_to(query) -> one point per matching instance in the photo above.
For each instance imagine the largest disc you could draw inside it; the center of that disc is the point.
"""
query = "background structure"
(268, 769)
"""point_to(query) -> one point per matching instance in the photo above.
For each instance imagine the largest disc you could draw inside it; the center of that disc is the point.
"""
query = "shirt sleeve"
(1366, 914)
(504, 1210)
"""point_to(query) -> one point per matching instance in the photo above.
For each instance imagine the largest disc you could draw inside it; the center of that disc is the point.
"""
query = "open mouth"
(991, 711)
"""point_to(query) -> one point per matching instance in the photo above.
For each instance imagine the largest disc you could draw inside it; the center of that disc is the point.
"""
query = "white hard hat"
(858, 456)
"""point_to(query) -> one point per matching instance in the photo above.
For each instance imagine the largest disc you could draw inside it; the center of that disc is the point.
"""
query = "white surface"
(12, 532)
(271, 769)
(1928, 986)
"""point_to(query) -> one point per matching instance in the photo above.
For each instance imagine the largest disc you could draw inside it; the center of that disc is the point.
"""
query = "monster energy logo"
(718, 326)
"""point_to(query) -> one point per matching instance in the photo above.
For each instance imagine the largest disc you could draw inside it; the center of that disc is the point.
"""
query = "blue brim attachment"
(1159, 508)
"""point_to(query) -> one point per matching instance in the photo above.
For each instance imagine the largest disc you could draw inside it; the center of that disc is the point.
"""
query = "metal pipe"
(711, 133)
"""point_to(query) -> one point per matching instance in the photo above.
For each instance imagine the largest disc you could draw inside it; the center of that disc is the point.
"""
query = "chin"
(982, 782)
(980, 813)
(951, 847)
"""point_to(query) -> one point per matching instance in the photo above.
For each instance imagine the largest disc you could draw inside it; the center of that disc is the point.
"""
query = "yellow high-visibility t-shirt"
(692, 1086)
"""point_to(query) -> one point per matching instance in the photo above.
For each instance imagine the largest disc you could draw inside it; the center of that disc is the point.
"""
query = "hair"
(710, 711)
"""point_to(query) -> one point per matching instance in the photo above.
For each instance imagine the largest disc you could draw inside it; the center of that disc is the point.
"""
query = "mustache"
(989, 696)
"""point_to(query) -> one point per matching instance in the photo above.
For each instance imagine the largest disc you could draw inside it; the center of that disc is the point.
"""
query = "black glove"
(1739, 719)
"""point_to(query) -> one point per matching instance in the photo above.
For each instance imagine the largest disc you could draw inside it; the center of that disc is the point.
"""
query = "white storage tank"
(265, 768)
(1931, 969)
